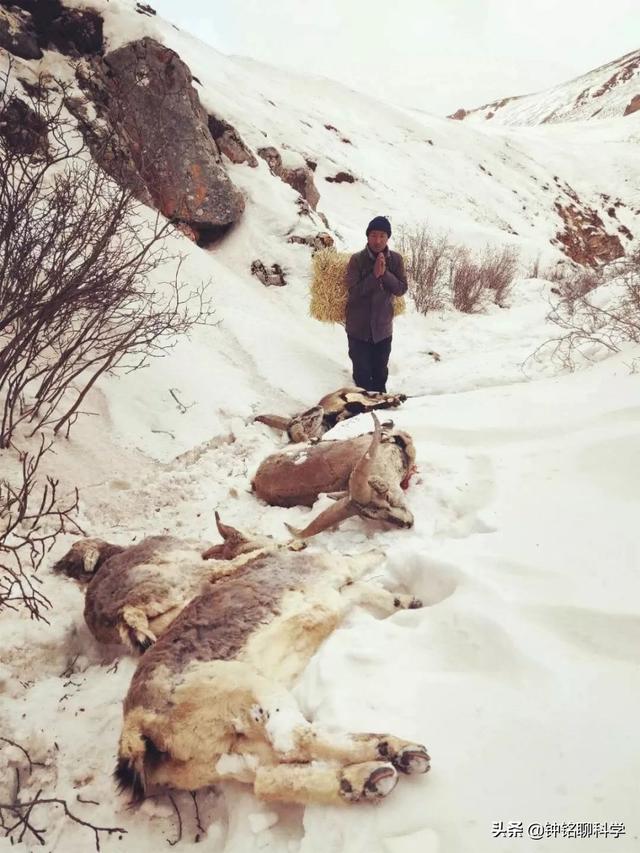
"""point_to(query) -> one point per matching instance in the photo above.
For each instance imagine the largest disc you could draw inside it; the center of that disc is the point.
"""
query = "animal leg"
(296, 741)
(302, 783)
(134, 629)
(372, 595)
(353, 748)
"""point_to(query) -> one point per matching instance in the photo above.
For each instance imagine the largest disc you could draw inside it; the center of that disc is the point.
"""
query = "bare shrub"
(534, 272)
(76, 254)
(598, 319)
(31, 519)
(498, 268)
(467, 285)
(577, 284)
(441, 272)
(426, 259)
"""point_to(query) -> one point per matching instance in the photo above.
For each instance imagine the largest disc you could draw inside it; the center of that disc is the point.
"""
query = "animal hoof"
(371, 780)
(259, 714)
(412, 759)
(381, 783)
(407, 602)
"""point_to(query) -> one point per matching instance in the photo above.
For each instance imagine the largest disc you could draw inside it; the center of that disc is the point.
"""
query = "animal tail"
(134, 753)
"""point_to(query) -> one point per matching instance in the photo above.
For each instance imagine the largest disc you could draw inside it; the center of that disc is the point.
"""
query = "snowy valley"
(520, 673)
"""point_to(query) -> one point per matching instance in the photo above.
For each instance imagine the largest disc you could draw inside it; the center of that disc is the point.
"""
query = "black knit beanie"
(379, 223)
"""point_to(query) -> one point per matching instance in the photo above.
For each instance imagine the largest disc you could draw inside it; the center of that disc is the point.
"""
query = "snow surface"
(521, 673)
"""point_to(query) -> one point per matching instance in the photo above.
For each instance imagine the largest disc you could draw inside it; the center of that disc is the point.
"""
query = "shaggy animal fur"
(134, 593)
(210, 701)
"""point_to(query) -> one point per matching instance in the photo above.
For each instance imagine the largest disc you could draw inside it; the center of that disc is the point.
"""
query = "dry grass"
(329, 288)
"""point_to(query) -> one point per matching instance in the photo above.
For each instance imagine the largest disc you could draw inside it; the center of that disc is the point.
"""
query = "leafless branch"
(16, 816)
(77, 253)
(31, 519)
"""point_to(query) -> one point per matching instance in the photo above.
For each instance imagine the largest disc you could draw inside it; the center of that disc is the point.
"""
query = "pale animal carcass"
(332, 409)
(210, 701)
(367, 475)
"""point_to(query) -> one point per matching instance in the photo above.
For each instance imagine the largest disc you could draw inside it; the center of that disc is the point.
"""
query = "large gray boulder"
(144, 92)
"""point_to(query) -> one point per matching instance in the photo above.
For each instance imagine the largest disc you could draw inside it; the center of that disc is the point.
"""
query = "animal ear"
(378, 485)
(226, 530)
(234, 542)
(90, 559)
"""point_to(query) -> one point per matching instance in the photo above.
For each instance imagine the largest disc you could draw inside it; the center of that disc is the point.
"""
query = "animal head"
(374, 489)
(84, 558)
(235, 542)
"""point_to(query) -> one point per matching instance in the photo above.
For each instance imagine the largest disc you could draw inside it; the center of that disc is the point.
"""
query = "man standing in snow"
(374, 276)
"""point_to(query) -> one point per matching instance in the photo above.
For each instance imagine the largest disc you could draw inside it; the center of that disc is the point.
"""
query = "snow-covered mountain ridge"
(611, 91)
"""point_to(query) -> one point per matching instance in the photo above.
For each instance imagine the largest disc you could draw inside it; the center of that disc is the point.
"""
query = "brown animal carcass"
(366, 475)
(133, 593)
(332, 409)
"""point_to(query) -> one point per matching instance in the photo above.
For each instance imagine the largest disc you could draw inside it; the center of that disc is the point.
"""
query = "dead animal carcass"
(210, 701)
(335, 407)
(366, 475)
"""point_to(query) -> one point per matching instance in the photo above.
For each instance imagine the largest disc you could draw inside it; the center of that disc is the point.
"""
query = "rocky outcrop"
(18, 35)
(300, 178)
(321, 240)
(74, 32)
(273, 277)
(163, 146)
(77, 32)
(23, 131)
(341, 178)
(584, 238)
(633, 105)
(229, 142)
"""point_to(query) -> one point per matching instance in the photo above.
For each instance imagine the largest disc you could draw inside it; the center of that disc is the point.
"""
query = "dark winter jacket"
(370, 299)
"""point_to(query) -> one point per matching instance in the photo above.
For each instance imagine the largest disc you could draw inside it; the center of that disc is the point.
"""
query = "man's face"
(377, 241)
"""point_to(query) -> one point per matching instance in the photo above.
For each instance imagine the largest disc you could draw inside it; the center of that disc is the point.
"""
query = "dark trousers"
(370, 362)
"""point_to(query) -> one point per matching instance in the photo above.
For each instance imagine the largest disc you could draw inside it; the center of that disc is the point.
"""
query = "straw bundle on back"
(329, 288)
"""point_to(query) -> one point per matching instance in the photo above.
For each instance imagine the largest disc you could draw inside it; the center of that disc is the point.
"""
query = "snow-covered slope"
(520, 673)
(611, 91)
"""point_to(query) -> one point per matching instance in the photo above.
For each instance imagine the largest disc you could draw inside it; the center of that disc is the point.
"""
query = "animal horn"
(274, 421)
(359, 488)
(335, 514)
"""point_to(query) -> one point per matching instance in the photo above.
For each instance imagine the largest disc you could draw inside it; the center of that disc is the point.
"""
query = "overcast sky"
(436, 55)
